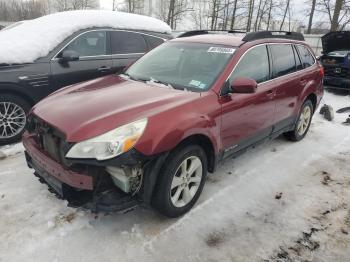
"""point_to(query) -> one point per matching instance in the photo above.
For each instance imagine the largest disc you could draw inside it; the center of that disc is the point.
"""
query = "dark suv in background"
(336, 59)
(85, 55)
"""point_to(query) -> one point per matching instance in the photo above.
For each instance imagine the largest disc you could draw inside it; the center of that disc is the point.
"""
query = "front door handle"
(303, 81)
(270, 93)
(104, 69)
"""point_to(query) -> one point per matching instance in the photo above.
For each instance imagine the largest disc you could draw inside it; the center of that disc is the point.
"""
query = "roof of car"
(217, 39)
(237, 38)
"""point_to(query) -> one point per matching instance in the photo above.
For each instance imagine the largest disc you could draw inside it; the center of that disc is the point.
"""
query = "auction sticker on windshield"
(222, 50)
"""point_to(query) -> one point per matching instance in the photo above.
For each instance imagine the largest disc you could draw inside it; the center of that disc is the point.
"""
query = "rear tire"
(13, 117)
(180, 181)
(303, 123)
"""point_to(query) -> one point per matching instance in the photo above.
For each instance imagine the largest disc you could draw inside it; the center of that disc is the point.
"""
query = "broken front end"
(116, 184)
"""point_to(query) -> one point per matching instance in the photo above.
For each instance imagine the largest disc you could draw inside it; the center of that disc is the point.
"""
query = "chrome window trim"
(266, 44)
(105, 30)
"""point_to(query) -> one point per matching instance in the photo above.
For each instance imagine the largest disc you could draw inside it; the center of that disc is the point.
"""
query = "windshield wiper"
(152, 80)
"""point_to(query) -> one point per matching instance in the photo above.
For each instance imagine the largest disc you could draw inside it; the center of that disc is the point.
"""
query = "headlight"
(110, 144)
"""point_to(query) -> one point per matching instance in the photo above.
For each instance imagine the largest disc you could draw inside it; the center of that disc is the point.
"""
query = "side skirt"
(258, 140)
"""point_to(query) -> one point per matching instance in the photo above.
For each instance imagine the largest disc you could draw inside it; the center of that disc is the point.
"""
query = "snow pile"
(11, 150)
(36, 38)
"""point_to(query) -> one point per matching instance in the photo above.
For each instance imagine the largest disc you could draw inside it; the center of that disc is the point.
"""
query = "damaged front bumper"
(90, 186)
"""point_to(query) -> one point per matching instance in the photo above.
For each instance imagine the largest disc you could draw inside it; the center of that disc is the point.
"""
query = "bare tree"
(286, 10)
(269, 14)
(311, 16)
(250, 14)
(336, 14)
(233, 15)
(337, 11)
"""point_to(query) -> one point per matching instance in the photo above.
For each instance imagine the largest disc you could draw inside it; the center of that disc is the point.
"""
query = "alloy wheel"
(304, 120)
(12, 119)
(186, 181)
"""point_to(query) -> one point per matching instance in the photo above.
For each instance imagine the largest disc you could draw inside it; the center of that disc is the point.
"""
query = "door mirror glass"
(243, 85)
(69, 55)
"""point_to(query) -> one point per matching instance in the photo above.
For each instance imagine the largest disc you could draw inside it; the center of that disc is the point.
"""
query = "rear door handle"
(104, 69)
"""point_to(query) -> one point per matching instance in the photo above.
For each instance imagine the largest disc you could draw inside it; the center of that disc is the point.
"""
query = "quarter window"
(306, 57)
(283, 59)
(297, 59)
(89, 44)
(127, 42)
(254, 65)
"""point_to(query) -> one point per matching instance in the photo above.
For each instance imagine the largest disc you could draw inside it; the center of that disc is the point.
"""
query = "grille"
(337, 71)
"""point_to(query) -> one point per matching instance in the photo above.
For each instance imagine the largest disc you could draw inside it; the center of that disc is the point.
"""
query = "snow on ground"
(36, 38)
(281, 201)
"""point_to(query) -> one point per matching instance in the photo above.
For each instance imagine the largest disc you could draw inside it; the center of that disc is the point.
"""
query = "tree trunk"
(213, 15)
(257, 16)
(261, 14)
(233, 18)
(311, 16)
(170, 19)
(227, 6)
(269, 16)
(250, 14)
(336, 13)
(285, 14)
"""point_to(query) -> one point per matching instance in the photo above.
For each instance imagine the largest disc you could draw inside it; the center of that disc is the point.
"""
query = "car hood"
(335, 41)
(92, 108)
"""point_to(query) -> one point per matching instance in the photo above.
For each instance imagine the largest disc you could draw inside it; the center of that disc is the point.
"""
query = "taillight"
(321, 71)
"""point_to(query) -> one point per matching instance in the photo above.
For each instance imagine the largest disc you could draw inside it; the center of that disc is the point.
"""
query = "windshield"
(192, 66)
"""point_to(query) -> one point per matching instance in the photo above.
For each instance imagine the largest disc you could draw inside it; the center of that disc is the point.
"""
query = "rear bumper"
(338, 82)
(53, 172)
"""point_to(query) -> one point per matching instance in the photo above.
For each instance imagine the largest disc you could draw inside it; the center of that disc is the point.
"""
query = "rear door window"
(127, 43)
(254, 65)
(306, 57)
(283, 59)
(153, 41)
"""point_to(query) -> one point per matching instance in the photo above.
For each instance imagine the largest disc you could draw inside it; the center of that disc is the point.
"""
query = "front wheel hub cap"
(304, 120)
(12, 119)
(186, 181)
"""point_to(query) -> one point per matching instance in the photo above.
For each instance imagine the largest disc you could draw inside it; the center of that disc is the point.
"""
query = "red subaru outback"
(151, 134)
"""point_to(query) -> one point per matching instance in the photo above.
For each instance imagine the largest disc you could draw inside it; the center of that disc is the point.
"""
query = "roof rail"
(205, 32)
(273, 34)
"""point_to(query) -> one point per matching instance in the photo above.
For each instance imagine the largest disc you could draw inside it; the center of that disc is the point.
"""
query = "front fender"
(165, 131)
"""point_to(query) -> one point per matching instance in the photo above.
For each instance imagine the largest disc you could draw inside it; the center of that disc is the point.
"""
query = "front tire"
(303, 123)
(13, 118)
(181, 181)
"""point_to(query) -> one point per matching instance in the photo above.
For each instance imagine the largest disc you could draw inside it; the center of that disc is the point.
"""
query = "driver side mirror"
(69, 55)
(243, 85)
